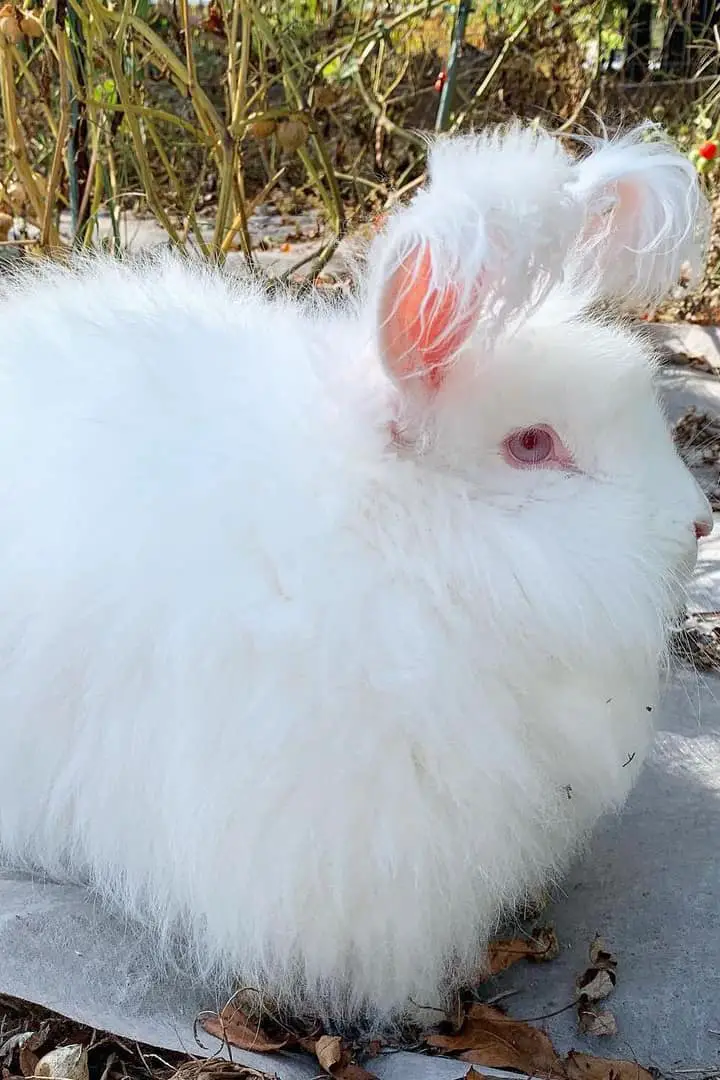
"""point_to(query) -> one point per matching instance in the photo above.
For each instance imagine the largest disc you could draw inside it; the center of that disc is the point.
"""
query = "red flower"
(708, 150)
(440, 81)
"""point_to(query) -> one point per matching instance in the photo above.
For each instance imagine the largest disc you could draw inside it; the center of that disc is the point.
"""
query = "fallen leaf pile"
(696, 361)
(490, 1038)
(36, 1043)
(487, 1037)
(264, 1035)
(697, 640)
(21, 1053)
(697, 437)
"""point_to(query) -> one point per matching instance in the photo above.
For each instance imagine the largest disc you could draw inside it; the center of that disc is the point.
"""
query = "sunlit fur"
(323, 704)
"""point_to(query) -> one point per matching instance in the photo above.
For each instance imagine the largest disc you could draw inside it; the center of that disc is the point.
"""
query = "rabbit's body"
(272, 676)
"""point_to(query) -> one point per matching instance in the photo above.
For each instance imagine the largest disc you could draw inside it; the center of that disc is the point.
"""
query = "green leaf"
(105, 93)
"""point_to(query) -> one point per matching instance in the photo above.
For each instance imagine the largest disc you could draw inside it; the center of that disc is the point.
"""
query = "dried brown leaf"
(503, 954)
(329, 1051)
(596, 983)
(233, 1026)
(586, 1067)
(546, 945)
(597, 1022)
(693, 360)
(351, 1071)
(306, 1043)
(600, 955)
(26, 1041)
(543, 945)
(64, 1063)
(488, 1037)
(27, 1060)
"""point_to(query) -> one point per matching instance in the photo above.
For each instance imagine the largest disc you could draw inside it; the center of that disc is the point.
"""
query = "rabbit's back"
(170, 483)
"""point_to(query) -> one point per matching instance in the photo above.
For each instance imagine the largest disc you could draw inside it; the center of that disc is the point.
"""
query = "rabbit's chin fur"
(318, 700)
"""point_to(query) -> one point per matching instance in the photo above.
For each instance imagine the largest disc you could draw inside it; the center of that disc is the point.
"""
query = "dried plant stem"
(231, 181)
(192, 222)
(87, 212)
(113, 200)
(114, 58)
(384, 120)
(48, 235)
(260, 198)
(232, 37)
(207, 114)
(425, 8)
(15, 139)
(497, 63)
(153, 113)
(332, 199)
(240, 87)
(23, 67)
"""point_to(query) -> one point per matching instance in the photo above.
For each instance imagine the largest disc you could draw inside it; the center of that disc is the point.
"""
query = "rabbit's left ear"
(473, 251)
(646, 217)
(425, 316)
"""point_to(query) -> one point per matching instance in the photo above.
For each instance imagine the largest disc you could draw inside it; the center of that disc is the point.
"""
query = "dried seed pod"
(325, 96)
(262, 127)
(6, 222)
(31, 25)
(291, 134)
(10, 31)
(15, 192)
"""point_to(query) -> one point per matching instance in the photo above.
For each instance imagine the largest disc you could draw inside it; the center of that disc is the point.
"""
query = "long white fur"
(638, 258)
(484, 220)
(322, 707)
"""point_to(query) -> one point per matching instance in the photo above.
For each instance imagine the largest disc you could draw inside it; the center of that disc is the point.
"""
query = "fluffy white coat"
(292, 661)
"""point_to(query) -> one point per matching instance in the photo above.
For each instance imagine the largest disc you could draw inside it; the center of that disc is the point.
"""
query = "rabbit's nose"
(704, 521)
(703, 527)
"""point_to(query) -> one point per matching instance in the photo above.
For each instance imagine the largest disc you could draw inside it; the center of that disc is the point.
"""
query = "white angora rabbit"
(326, 635)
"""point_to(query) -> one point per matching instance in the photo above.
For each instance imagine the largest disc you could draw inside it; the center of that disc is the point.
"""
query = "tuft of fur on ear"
(646, 217)
(481, 244)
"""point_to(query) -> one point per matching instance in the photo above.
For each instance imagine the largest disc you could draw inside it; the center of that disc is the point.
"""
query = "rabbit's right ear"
(646, 216)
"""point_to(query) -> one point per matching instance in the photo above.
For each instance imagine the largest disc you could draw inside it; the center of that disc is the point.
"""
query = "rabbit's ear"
(425, 317)
(477, 248)
(646, 216)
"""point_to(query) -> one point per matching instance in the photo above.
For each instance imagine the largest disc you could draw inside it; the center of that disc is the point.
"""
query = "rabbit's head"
(485, 291)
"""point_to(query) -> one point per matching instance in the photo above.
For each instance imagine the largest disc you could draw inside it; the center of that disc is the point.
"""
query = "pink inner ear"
(626, 207)
(421, 325)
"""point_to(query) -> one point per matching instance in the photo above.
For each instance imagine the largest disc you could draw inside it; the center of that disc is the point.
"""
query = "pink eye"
(535, 446)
